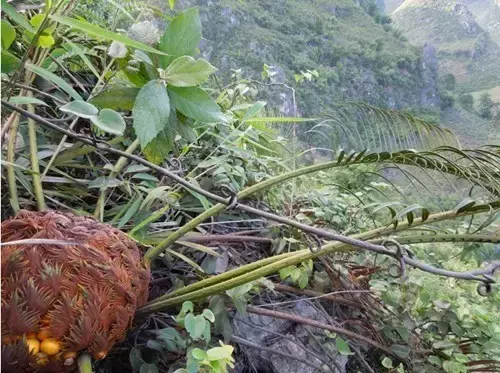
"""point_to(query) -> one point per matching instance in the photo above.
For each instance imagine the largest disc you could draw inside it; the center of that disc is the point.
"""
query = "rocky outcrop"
(370, 65)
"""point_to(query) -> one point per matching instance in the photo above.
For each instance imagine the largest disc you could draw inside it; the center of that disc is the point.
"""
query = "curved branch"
(256, 270)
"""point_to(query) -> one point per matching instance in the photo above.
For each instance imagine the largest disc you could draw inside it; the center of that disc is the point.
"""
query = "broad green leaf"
(141, 56)
(400, 350)
(9, 62)
(189, 322)
(148, 368)
(37, 20)
(209, 315)
(48, 6)
(97, 31)
(135, 359)
(387, 363)
(195, 325)
(219, 353)
(187, 306)
(23, 100)
(443, 345)
(116, 97)
(434, 360)
(195, 103)
(199, 354)
(342, 346)
(80, 108)
(110, 121)
(59, 82)
(160, 147)
(145, 176)
(171, 4)
(187, 133)
(18, 18)
(185, 71)
(44, 41)
(151, 111)
(199, 327)
(181, 36)
(8, 35)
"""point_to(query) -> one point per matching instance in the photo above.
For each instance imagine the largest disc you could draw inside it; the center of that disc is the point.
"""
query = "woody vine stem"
(263, 267)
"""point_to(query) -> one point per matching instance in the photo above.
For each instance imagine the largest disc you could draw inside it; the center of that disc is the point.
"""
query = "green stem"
(303, 255)
(158, 249)
(35, 167)
(85, 364)
(122, 161)
(11, 175)
(299, 257)
(264, 185)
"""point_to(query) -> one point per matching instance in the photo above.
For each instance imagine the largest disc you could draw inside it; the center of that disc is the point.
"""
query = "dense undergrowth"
(379, 231)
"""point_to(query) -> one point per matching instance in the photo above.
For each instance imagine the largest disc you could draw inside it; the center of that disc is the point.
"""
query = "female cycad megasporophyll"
(62, 299)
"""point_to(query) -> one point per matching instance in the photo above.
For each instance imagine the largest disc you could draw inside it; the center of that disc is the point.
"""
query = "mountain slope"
(356, 57)
(464, 48)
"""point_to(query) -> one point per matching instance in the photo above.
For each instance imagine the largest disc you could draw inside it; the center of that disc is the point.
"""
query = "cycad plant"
(71, 284)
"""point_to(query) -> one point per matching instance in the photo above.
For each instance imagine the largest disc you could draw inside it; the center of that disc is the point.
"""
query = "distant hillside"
(487, 15)
(464, 48)
(357, 57)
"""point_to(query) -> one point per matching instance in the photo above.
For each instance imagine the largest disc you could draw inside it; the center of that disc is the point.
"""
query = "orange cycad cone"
(62, 299)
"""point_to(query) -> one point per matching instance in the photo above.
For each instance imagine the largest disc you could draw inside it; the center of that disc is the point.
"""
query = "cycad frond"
(480, 167)
(356, 126)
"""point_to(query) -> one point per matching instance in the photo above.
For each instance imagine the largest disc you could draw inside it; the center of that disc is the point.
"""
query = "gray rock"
(300, 341)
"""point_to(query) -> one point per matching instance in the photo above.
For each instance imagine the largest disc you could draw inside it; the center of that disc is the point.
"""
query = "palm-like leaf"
(356, 126)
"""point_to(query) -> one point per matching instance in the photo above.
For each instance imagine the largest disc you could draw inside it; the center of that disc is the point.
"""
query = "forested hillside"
(356, 52)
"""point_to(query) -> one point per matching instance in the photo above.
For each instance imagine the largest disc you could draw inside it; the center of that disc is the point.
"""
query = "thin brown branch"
(320, 325)
(225, 238)
(316, 294)
(244, 342)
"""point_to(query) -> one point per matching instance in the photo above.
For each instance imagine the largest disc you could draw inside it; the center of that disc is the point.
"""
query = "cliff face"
(357, 56)
(460, 30)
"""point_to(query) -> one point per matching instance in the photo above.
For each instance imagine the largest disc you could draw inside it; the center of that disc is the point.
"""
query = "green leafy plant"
(214, 360)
